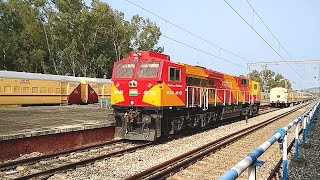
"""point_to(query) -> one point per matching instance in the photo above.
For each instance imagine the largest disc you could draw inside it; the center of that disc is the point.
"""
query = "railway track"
(267, 110)
(50, 164)
(47, 165)
(194, 164)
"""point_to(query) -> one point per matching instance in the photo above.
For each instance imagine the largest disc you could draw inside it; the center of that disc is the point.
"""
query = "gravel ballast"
(130, 164)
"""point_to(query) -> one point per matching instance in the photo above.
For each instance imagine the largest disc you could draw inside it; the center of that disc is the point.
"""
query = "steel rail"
(164, 170)
(81, 163)
(11, 164)
(265, 111)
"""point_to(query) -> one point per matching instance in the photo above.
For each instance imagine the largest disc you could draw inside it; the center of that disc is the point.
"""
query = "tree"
(22, 46)
(269, 79)
(69, 38)
(255, 75)
(146, 34)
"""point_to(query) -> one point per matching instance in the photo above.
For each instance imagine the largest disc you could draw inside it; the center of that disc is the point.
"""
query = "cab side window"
(244, 82)
(174, 74)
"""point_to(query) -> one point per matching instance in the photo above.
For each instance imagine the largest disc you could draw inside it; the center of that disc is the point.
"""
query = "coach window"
(174, 74)
(255, 86)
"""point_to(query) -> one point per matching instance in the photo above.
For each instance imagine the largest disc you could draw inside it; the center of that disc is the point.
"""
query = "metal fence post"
(284, 158)
(311, 118)
(307, 124)
(296, 155)
(252, 169)
(304, 129)
(252, 172)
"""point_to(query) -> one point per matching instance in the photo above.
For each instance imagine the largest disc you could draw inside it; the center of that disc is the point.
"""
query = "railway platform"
(48, 129)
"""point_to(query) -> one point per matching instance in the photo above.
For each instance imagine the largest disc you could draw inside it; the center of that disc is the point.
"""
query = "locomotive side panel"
(173, 85)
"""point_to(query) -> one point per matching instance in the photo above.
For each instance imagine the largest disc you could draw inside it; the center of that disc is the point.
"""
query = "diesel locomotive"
(154, 97)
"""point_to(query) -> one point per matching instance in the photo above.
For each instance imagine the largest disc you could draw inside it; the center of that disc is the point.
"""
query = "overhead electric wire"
(261, 37)
(193, 34)
(268, 28)
(200, 50)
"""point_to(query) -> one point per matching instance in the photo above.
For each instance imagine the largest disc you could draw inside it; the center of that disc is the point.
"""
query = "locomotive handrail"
(204, 92)
(251, 161)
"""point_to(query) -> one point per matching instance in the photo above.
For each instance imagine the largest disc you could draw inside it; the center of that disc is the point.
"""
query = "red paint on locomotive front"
(137, 84)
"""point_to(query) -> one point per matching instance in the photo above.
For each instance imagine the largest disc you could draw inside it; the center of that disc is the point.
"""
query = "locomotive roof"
(39, 76)
(200, 71)
(192, 70)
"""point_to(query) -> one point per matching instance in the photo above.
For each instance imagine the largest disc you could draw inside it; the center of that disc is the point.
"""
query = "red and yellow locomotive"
(153, 97)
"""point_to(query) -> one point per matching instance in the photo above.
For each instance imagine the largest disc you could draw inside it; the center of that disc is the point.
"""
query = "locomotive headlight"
(134, 83)
(130, 84)
(160, 84)
(117, 85)
(132, 102)
(149, 85)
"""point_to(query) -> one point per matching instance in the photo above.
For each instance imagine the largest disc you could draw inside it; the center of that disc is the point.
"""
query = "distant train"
(20, 88)
(282, 97)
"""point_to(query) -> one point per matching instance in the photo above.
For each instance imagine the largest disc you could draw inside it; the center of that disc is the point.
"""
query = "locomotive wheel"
(145, 131)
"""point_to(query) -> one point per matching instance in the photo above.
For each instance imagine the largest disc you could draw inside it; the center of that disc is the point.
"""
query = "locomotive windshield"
(124, 70)
(148, 69)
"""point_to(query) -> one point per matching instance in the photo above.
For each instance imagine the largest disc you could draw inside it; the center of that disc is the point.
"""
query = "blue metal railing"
(251, 161)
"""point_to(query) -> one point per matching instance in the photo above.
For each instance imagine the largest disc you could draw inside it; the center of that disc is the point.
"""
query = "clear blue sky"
(295, 23)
